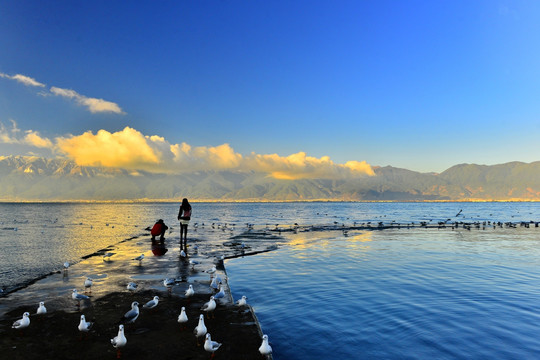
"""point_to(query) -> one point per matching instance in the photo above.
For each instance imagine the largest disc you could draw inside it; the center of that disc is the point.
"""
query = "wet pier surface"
(156, 332)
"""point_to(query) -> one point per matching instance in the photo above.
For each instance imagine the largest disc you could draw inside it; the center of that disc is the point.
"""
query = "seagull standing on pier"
(182, 318)
(265, 349)
(169, 283)
(88, 284)
(189, 292)
(25, 321)
(76, 296)
(200, 329)
(220, 294)
(41, 310)
(132, 314)
(211, 346)
(209, 306)
(84, 326)
(152, 303)
(132, 286)
(119, 340)
(242, 301)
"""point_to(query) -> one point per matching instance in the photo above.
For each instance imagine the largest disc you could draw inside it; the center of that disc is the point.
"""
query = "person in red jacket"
(159, 228)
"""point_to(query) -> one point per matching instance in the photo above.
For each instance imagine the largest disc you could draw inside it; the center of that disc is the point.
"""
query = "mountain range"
(28, 178)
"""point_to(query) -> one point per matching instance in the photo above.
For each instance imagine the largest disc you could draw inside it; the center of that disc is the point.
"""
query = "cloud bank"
(132, 150)
(94, 105)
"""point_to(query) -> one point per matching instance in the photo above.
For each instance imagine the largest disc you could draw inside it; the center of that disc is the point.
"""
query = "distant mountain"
(24, 178)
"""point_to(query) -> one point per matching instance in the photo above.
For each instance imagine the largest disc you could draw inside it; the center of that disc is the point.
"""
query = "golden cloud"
(33, 138)
(300, 166)
(125, 149)
(130, 149)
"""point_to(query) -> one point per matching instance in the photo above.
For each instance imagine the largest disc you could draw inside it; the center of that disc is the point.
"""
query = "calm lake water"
(393, 294)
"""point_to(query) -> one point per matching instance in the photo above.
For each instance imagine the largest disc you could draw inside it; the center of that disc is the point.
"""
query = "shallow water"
(394, 294)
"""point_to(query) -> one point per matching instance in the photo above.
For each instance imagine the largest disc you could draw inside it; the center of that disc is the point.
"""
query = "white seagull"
(139, 258)
(107, 256)
(169, 283)
(41, 309)
(132, 314)
(152, 303)
(209, 306)
(182, 253)
(214, 283)
(84, 326)
(242, 301)
(119, 340)
(182, 318)
(210, 345)
(190, 292)
(265, 349)
(200, 329)
(212, 270)
(25, 321)
(132, 286)
(193, 263)
(88, 284)
(76, 296)
(220, 294)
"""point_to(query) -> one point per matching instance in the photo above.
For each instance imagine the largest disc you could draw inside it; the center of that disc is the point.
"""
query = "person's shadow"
(158, 248)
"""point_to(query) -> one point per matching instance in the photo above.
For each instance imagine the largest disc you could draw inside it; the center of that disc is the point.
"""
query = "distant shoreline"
(255, 201)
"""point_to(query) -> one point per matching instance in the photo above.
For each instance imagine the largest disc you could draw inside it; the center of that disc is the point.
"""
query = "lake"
(330, 290)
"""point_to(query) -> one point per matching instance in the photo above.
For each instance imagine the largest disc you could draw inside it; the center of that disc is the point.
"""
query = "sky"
(296, 89)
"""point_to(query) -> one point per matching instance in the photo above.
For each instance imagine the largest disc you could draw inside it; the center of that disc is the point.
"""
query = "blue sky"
(421, 85)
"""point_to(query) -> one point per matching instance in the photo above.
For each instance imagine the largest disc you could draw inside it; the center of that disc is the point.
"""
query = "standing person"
(184, 215)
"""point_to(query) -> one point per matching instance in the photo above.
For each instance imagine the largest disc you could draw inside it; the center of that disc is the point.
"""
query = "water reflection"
(159, 248)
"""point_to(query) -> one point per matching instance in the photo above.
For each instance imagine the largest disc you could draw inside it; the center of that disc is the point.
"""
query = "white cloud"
(31, 138)
(23, 79)
(94, 105)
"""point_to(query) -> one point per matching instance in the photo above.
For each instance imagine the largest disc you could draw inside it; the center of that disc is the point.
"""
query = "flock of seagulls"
(120, 340)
